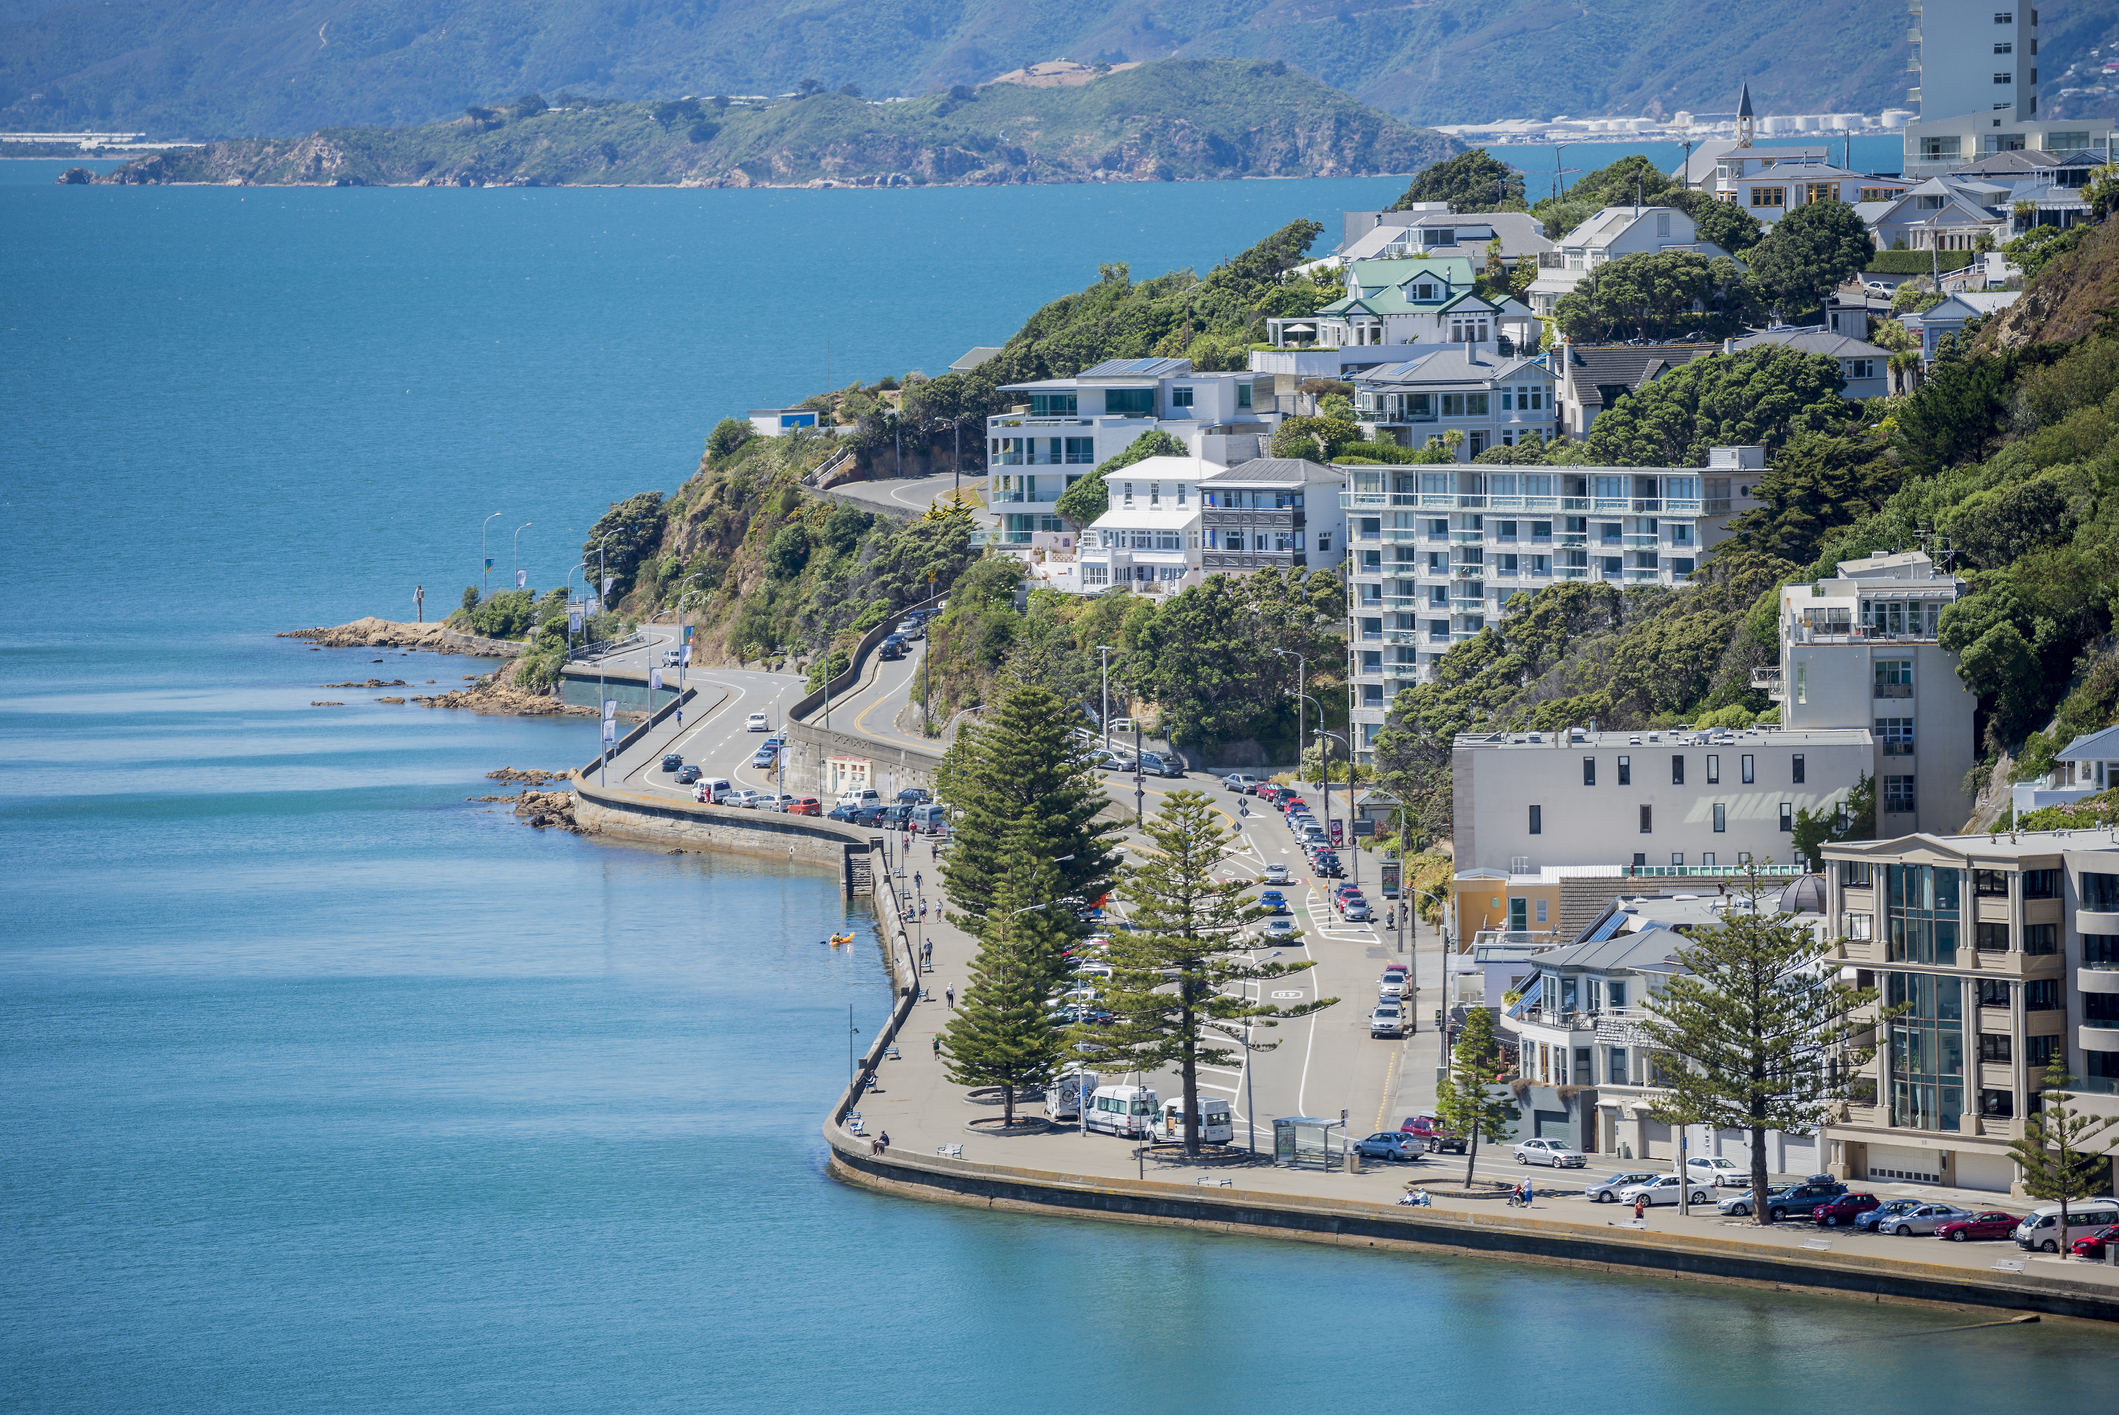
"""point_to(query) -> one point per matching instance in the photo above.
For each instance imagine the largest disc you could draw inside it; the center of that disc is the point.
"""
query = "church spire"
(1743, 118)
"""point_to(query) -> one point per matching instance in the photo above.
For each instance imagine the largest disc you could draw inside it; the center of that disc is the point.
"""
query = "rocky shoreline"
(491, 693)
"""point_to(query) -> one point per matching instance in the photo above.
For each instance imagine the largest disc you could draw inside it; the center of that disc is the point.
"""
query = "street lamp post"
(1302, 670)
(485, 561)
(1104, 650)
(515, 556)
(1353, 845)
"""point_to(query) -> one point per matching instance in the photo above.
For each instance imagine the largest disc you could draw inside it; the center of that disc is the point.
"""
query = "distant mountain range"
(1168, 120)
(206, 68)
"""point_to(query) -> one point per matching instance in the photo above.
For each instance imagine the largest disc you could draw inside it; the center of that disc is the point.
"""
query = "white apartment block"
(1672, 799)
(2005, 952)
(1065, 427)
(1978, 88)
(1438, 551)
(1860, 651)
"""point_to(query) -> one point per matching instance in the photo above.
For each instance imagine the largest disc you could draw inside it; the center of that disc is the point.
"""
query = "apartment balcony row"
(1768, 681)
(1480, 501)
(1857, 634)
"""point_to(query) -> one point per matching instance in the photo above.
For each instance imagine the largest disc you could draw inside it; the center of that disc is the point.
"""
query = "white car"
(771, 802)
(747, 799)
(1549, 1152)
(1276, 873)
(757, 722)
(1391, 985)
(1716, 1171)
(1281, 929)
(1664, 1190)
(1240, 783)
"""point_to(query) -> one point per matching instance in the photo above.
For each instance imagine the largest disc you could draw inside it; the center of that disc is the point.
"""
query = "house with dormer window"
(1426, 300)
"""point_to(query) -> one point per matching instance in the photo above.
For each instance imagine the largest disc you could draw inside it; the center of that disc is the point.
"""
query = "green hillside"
(1179, 119)
(213, 68)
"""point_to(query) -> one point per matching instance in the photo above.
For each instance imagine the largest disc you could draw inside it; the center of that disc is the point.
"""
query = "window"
(1854, 874)
(1769, 197)
(1787, 817)
(1894, 678)
(1618, 994)
(1243, 395)
(2041, 995)
(1750, 774)
(1795, 768)
(1130, 402)
(1677, 858)
(1992, 938)
(1997, 1105)
(1647, 820)
(1096, 574)
(1814, 192)
(1464, 405)
(1181, 397)
(1895, 734)
(2066, 142)
(1617, 1062)
(2041, 884)
(2004, 78)
(1994, 1046)
(2041, 938)
(2038, 1052)
(1857, 926)
(1898, 794)
(1861, 368)
(1714, 771)
(2004, 17)
(1927, 1050)
(1052, 405)
(1993, 992)
(1625, 771)
(1541, 910)
(2100, 893)
(1589, 771)
(1721, 818)
(1080, 451)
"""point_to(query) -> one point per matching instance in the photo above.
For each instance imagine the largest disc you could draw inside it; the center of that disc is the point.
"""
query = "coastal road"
(712, 736)
(911, 495)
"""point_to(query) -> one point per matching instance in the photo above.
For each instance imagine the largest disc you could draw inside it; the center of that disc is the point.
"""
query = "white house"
(1941, 214)
(1613, 232)
(1954, 313)
(1422, 299)
(1493, 399)
(2086, 766)
(1770, 187)
(1065, 427)
(1388, 235)
(776, 422)
(1865, 367)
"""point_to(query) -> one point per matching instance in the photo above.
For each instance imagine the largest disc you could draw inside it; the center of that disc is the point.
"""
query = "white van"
(1123, 1110)
(1215, 1125)
(712, 788)
(2040, 1229)
(859, 798)
(930, 819)
(1063, 1098)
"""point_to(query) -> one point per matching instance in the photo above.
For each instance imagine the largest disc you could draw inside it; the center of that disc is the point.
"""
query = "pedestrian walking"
(938, 1046)
(1640, 1208)
(949, 995)
(916, 881)
(923, 913)
(934, 850)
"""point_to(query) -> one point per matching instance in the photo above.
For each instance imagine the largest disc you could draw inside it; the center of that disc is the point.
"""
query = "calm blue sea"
(328, 1089)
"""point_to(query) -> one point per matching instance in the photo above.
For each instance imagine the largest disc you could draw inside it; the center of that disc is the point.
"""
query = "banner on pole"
(654, 680)
(608, 581)
(574, 622)
(610, 709)
(610, 732)
(687, 656)
(522, 578)
(687, 633)
(489, 562)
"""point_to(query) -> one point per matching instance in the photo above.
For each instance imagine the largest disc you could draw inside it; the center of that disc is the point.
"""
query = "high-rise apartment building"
(1976, 69)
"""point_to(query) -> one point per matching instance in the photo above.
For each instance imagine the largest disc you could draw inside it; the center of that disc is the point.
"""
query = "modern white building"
(1440, 550)
(1434, 230)
(1860, 650)
(1065, 427)
(2003, 951)
(1613, 232)
(1649, 798)
(1977, 71)
(2086, 766)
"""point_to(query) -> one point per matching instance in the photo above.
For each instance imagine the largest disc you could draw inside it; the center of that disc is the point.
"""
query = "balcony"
(1467, 537)
(1570, 572)
(1467, 606)
(1468, 572)
(1765, 680)
(1894, 690)
(1855, 634)
(1644, 577)
(1572, 540)
(1641, 542)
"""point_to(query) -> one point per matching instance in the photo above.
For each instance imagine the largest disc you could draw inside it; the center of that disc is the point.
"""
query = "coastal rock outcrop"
(374, 633)
(549, 810)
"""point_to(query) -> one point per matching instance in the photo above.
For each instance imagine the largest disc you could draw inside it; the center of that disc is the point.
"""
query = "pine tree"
(1022, 767)
(1003, 1032)
(1465, 1099)
(1756, 1036)
(1178, 991)
(2056, 1165)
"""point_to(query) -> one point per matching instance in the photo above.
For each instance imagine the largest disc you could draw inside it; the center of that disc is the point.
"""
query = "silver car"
(1922, 1219)
(1388, 1020)
(1664, 1189)
(1606, 1191)
(1390, 1145)
(1549, 1152)
(1276, 873)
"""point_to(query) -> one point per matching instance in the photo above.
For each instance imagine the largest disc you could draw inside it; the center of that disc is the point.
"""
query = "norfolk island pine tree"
(1757, 1034)
(2056, 1167)
(1464, 1098)
(1176, 992)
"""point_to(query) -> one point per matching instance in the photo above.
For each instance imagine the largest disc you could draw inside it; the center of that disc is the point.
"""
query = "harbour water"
(328, 1088)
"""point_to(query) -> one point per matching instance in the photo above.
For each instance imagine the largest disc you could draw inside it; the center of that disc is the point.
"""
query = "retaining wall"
(912, 765)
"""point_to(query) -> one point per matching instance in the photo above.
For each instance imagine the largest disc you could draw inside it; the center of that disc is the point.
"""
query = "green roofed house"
(1426, 300)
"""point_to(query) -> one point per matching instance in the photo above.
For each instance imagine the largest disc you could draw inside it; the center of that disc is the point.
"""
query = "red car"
(1270, 793)
(1430, 1131)
(807, 806)
(1844, 1209)
(2092, 1246)
(1991, 1224)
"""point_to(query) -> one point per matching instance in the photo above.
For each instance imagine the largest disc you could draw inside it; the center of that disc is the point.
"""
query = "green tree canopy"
(627, 534)
(1757, 1034)
(1002, 1032)
(1467, 1099)
(1818, 483)
(1470, 181)
(1725, 223)
(1654, 295)
(2059, 1161)
(1764, 394)
(1809, 253)
(728, 435)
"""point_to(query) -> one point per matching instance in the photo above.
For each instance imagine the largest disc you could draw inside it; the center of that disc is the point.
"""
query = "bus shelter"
(1305, 1142)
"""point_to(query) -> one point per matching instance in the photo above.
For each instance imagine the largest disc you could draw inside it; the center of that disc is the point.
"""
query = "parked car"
(1273, 899)
(1357, 912)
(1844, 1210)
(1280, 930)
(2040, 1229)
(764, 756)
(1276, 873)
(1270, 792)
(672, 657)
(896, 814)
(687, 775)
(1716, 1170)
(1432, 1133)
(744, 798)
(1664, 1189)
(1867, 1222)
(1606, 1191)
(2091, 1245)
(1923, 1220)
(757, 722)
(1549, 1152)
(782, 802)
(1157, 764)
(1327, 864)
(916, 796)
(806, 806)
(1789, 1200)
(1241, 784)
(671, 761)
(1388, 1020)
(1992, 1223)
(1395, 970)
(864, 797)
(1389, 1145)
(854, 813)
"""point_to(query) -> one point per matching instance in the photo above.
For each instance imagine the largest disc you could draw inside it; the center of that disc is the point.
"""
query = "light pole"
(1324, 763)
(1105, 651)
(515, 557)
(684, 644)
(1353, 845)
(485, 561)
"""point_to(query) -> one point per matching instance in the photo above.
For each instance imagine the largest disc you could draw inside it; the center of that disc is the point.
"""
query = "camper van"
(1123, 1110)
(1215, 1127)
(1063, 1098)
